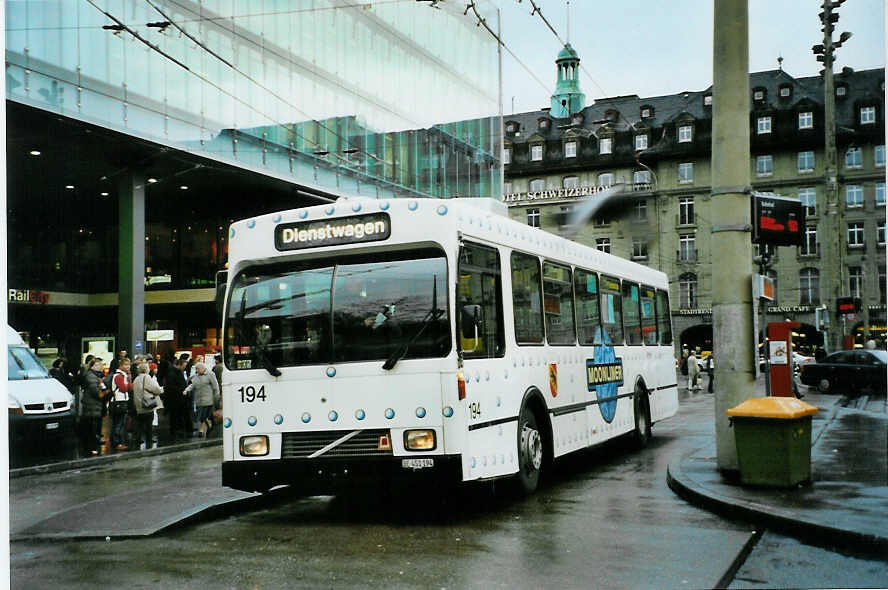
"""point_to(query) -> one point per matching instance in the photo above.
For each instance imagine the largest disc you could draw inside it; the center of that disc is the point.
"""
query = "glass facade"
(380, 99)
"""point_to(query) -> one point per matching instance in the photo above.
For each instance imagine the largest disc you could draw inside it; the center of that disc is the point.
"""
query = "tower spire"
(568, 21)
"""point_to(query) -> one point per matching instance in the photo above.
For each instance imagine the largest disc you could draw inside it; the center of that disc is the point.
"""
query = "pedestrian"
(115, 362)
(206, 396)
(217, 370)
(92, 400)
(710, 369)
(167, 361)
(121, 402)
(174, 401)
(145, 390)
(62, 374)
(683, 364)
(693, 372)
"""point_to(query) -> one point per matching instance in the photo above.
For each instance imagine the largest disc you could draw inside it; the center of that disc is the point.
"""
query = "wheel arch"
(535, 401)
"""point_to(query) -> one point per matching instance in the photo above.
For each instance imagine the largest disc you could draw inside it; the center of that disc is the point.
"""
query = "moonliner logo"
(604, 375)
(332, 232)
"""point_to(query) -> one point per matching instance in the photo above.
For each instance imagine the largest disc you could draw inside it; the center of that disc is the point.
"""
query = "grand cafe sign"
(554, 194)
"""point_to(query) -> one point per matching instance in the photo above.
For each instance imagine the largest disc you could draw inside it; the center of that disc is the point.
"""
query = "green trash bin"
(773, 437)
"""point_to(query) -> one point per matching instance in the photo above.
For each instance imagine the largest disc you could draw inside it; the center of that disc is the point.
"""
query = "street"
(604, 519)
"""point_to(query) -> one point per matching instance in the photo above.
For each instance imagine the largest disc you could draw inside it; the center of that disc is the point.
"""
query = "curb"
(110, 459)
(763, 515)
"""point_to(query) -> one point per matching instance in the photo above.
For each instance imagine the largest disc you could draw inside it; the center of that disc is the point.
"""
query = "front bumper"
(330, 475)
(40, 427)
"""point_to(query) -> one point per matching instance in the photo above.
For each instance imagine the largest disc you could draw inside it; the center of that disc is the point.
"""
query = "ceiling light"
(70, 187)
(104, 194)
(184, 187)
(152, 180)
(34, 152)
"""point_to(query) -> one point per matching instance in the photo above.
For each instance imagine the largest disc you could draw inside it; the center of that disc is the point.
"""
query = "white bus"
(430, 341)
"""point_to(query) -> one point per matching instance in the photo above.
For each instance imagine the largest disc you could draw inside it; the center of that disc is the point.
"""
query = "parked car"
(40, 407)
(848, 371)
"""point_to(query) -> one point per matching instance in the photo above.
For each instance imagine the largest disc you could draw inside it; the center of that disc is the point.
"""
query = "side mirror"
(470, 321)
(221, 283)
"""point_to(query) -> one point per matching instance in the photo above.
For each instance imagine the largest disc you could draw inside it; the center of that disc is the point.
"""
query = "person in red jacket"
(121, 391)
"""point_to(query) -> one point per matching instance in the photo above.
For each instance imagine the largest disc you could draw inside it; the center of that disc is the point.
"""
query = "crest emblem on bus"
(553, 379)
(604, 375)
(385, 443)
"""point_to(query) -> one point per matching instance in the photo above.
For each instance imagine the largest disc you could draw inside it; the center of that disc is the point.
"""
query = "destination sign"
(332, 232)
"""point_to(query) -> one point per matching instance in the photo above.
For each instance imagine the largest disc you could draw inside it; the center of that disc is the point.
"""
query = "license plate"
(52, 425)
(417, 463)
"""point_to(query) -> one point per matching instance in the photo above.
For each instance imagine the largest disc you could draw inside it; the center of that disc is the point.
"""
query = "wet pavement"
(845, 503)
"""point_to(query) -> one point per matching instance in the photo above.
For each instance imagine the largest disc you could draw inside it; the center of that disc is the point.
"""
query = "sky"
(659, 47)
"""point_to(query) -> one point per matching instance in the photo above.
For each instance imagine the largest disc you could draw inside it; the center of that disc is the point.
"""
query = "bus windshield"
(359, 308)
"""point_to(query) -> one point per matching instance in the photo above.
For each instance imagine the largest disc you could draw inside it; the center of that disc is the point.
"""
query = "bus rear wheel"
(530, 452)
(642, 433)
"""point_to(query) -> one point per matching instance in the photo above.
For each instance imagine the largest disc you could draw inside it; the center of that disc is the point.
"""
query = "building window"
(533, 217)
(773, 276)
(880, 193)
(603, 244)
(764, 125)
(600, 221)
(639, 249)
(686, 211)
(566, 210)
(646, 113)
(686, 172)
(537, 185)
(536, 153)
(809, 247)
(687, 291)
(879, 156)
(507, 187)
(806, 120)
(510, 127)
(641, 179)
(570, 182)
(880, 233)
(606, 145)
(841, 90)
(707, 100)
(855, 234)
(687, 248)
(809, 286)
(808, 197)
(606, 179)
(854, 157)
(641, 142)
(764, 165)
(543, 124)
(507, 156)
(639, 210)
(685, 133)
(882, 282)
(785, 91)
(854, 195)
(806, 162)
(867, 115)
(758, 95)
(855, 281)
(570, 149)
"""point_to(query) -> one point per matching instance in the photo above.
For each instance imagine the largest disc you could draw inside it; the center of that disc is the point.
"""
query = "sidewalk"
(845, 504)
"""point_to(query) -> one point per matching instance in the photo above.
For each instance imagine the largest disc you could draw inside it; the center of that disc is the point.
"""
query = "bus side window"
(648, 316)
(631, 313)
(586, 289)
(612, 309)
(664, 320)
(558, 303)
(479, 296)
(527, 299)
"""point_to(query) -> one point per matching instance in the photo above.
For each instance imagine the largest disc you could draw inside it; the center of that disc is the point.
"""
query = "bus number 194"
(249, 394)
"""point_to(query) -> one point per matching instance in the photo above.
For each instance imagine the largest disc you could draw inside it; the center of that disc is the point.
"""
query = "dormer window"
(785, 91)
(577, 119)
(611, 115)
(685, 133)
(544, 124)
(570, 149)
(841, 90)
(647, 112)
(641, 142)
(511, 127)
(536, 153)
(707, 100)
(758, 95)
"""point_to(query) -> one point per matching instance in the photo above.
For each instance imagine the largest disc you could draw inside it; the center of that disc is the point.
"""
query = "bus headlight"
(254, 446)
(419, 440)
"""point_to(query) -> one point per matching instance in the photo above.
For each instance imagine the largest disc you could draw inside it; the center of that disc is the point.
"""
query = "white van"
(39, 406)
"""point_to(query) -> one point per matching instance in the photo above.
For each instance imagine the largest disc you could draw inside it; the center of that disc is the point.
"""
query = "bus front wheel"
(530, 452)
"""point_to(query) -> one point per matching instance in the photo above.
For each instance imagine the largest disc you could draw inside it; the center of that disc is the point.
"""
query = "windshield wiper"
(433, 315)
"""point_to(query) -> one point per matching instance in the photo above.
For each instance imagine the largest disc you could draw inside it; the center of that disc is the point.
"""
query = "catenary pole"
(732, 314)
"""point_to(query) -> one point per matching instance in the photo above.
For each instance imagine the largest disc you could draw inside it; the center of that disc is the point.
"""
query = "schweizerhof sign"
(554, 194)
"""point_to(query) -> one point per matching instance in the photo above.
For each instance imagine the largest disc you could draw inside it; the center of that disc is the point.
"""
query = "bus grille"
(299, 445)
